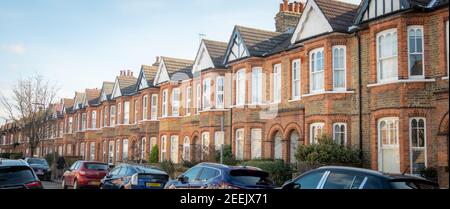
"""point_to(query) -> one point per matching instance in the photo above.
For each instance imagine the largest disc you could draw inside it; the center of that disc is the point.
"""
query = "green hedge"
(278, 170)
(153, 158)
(168, 167)
(228, 157)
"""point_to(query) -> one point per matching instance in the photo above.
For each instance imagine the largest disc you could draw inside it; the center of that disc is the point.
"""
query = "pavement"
(55, 184)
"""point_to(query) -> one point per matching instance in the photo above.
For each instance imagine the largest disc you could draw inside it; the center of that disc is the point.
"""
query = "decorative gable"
(312, 23)
(85, 102)
(143, 81)
(116, 90)
(162, 75)
(203, 59)
(375, 8)
(236, 48)
(103, 96)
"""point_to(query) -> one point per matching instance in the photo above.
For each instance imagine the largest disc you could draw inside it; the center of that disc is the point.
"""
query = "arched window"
(277, 146)
(163, 148)
(418, 141)
(293, 146)
(340, 133)
(186, 149)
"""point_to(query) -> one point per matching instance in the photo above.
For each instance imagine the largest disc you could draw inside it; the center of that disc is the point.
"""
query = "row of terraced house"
(372, 76)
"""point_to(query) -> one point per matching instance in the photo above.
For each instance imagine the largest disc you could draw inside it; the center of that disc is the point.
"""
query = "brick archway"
(443, 126)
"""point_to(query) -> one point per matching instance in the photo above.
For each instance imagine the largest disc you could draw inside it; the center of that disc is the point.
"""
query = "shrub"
(188, 164)
(153, 158)
(429, 173)
(327, 152)
(278, 170)
(228, 157)
(51, 157)
(168, 167)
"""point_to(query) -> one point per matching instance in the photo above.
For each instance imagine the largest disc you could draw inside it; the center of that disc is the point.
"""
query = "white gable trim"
(103, 96)
(161, 75)
(116, 90)
(203, 59)
(143, 81)
(85, 102)
(311, 5)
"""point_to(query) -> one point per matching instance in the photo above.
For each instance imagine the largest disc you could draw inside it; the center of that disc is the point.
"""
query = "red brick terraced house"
(372, 76)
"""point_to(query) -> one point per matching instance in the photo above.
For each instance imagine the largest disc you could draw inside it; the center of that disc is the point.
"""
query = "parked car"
(219, 176)
(336, 177)
(126, 176)
(40, 167)
(84, 174)
(17, 174)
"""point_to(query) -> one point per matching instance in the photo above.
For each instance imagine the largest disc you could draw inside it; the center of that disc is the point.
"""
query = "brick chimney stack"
(287, 18)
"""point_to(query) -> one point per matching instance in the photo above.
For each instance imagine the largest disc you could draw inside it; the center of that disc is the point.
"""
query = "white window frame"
(92, 151)
(205, 142)
(393, 56)
(112, 115)
(188, 100)
(83, 121)
(143, 146)
(312, 138)
(83, 150)
(125, 150)
(126, 112)
(206, 93)
(424, 148)
(198, 94)
(256, 143)
(277, 83)
(154, 107)
(105, 116)
(175, 102)
(117, 150)
(335, 132)
(119, 112)
(186, 148)
(312, 69)
(239, 154)
(220, 92)
(174, 142)
(164, 98)
(136, 111)
(94, 119)
(240, 87)
(145, 107)
(335, 68)
(296, 79)
(163, 148)
(219, 137)
(257, 85)
(70, 126)
(415, 28)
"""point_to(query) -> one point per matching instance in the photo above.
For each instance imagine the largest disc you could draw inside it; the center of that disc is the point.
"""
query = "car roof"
(372, 172)
(227, 167)
(144, 168)
(4, 162)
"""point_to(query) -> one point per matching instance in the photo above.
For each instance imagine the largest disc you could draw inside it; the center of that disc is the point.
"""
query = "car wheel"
(75, 185)
(64, 186)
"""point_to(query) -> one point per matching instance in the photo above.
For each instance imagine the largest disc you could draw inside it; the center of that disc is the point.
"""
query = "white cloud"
(17, 49)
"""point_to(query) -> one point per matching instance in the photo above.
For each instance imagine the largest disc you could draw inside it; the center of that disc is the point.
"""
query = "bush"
(429, 173)
(50, 157)
(153, 158)
(168, 167)
(188, 164)
(278, 170)
(13, 156)
(327, 152)
(228, 157)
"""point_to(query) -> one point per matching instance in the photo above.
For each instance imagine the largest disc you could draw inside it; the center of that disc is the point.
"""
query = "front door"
(388, 146)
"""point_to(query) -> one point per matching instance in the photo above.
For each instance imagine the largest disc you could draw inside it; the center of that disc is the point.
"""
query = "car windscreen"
(413, 184)
(96, 166)
(250, 177)
(15, 175)
(37, 161)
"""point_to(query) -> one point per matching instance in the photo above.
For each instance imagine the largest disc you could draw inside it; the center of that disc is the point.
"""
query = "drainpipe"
(360, 97)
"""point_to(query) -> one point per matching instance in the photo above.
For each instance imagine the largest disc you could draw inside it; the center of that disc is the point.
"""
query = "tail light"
(34, 185)
(82, 173)
(228, 186)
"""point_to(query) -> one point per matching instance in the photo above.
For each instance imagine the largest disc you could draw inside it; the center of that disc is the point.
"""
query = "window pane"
(310, 181)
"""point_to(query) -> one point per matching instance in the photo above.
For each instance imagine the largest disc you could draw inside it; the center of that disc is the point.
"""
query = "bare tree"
(29, 107)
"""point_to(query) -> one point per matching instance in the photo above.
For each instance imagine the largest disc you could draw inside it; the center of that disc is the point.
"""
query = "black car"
(219, 176)
(17, 174)
(126, 176)
(336, 177)
(40, 167)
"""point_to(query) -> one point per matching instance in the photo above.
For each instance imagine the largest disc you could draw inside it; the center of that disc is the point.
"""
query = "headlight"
(134, 179)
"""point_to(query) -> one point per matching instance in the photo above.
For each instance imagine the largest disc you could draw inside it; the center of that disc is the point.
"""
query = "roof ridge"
(258, 29)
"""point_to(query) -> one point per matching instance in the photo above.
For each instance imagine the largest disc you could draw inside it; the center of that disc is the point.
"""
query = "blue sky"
(80, 43)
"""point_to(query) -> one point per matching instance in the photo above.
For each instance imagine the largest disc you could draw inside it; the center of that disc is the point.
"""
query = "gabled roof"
(78, 101)
(92, 97)
(173, 69)
(210, 55)
(324, 16)
(125, 85)
(256, 42)
(67, 102)
(146, 77)
(106, 91)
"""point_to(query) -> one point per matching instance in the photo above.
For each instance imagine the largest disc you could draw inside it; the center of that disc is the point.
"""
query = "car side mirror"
(108, 176)
(292, 185)
(183, 179)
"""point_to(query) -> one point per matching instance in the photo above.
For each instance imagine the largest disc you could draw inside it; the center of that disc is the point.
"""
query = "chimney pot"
(291, 9)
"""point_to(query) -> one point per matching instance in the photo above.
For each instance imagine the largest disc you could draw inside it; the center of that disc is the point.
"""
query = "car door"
(337, 179)
(117, 182)
(190, 175)
(107, 181)
(203, 180)
(312, 180)
(70, 174)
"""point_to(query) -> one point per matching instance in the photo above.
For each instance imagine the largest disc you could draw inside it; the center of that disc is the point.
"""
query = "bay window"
(119, 113)
(105, 116)
(186, 149)
(94, 119)
(188, 100)
(83, 121)
(257, 85)
(174, 149)
(339, 68)
(154, 107)
(277, 83)
(239, 144)
(256, 143)
(112, 116)
(163, 148)
(164, 103)
(415, 52)
(387, 60)
(207, 93)
(198, 94)
(220, 89)
(240, 87)
(340, 134)
(316, 70)
(136, 111)
(315, 132)
(176, 102)
(145, 108)
(296, 79)
(91, 151)
(126, 112)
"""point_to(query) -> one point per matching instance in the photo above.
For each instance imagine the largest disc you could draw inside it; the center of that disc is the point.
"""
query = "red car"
(84, 174)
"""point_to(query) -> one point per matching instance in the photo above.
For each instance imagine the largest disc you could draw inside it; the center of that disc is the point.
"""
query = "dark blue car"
(218, 176)
(126, 176)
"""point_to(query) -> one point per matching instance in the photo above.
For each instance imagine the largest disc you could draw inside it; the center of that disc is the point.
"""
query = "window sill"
(445, 78)
(214, 110)
(328, 92)
(402, 81)
(295, 100)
